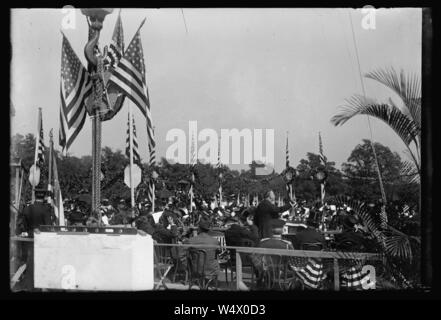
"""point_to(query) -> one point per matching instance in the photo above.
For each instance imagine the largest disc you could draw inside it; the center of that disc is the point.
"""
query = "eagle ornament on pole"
(95, 105)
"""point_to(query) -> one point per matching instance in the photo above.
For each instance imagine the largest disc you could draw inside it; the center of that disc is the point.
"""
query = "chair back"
(196, 260)
(162, 254)
(247, 243)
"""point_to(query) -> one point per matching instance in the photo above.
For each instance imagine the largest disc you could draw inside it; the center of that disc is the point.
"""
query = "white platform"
(98, 262)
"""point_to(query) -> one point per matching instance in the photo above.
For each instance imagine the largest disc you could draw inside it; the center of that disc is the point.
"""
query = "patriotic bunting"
(75, 87)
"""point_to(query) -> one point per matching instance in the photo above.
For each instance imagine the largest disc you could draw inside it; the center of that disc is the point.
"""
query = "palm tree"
(400, 251)
(405, 120)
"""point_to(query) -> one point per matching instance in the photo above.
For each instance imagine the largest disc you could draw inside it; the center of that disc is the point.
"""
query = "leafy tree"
(308, 188)
(360, 171)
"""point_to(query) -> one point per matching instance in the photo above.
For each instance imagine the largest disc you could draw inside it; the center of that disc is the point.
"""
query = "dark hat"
(40, 193)
(313, 218)
(76, 216)
(204, 224)
(349, 221)
(277, 223)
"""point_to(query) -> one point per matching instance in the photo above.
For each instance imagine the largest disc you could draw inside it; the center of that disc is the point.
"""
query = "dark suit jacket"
(265, 212)
(309, 235)
(236, 233)
(212, 265)
(35, 215)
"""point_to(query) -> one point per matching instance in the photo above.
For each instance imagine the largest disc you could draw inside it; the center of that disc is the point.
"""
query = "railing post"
(336, 275)
(238, 270)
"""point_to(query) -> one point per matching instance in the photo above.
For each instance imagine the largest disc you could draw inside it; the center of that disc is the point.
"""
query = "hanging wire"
(185, 24)
(383, 194)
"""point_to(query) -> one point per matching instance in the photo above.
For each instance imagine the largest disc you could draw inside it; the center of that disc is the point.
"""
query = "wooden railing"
(334, 255)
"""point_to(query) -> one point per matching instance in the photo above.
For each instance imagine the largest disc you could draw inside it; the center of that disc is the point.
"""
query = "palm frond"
(410, 172)
(407, 87)
(405, 127)
(398, 244)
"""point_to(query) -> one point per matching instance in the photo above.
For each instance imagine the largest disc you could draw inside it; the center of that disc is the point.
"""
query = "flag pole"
(37, 140)
(49, 183)
(132, 189)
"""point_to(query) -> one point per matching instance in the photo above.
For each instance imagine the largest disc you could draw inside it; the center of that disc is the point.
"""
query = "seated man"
(276, 241)
(146, 223)
(352, 238)
(237, 232)
(310, 234)
(212, 265)
(166, 230)
(274, 264)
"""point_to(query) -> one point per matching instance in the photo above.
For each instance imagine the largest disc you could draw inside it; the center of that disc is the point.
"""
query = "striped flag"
(322, 156)
(151, 188)
(58, 199)
(151, 185)
(129, 77)
(288, 185)
(136, 157)
(354, 278)
(287, 152)
(323, 160)
(312, 274)
(39, 143)
(218, 167)
(75, 87)
(110, 62)
(193, 161)
(116, 48)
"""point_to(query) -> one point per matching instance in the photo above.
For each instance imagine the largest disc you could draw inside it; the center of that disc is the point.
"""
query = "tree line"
(357, 177)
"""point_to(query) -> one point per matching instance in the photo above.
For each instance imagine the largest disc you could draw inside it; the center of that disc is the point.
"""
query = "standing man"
(37, 214)
(266, 211)
(34, 216)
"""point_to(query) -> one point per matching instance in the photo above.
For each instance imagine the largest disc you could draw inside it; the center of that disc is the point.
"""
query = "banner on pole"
(34, 175)
(136, 171)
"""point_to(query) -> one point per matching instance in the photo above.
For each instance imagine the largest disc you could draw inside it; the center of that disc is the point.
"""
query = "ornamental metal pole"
(95, 20)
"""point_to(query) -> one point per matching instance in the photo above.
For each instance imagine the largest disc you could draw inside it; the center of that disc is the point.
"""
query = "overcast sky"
(285, 69)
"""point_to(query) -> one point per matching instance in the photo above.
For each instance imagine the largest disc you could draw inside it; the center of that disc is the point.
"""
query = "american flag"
(75, 87)
(354, 278)
(287, 152)
(152, 162)
(40, 147)
(129, 77)
(136, 157)
(116, 48)
(151, 189)
(323, 161)
(193, 161)
(58, 199)
(288, 186)
(114, 55)
(218, 168)
(322, 156)
(312, 274)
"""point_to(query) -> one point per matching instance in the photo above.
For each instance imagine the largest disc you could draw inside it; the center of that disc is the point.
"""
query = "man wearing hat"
(271, 263)
(310, 234)
(203, 237)
(266, 211)
(352, 238)
(276, 241)
(37, 214)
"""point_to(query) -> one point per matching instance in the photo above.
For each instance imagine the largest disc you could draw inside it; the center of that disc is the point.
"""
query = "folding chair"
(163, 264)
(246, 260)
(179, 264)
(196, 262)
